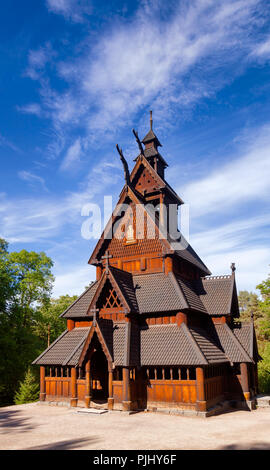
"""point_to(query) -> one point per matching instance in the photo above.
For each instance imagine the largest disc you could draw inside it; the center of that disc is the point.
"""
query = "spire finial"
(233, 268)
(151, 120)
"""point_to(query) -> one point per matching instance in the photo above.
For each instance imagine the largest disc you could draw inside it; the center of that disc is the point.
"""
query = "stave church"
(155, 331)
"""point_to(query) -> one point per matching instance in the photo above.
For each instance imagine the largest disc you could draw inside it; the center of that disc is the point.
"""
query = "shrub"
(28, 389)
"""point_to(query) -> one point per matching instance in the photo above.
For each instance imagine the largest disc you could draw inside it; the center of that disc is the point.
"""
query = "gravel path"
(36, 426)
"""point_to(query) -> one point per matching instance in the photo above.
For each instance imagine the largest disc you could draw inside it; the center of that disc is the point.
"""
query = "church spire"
(151, 140)
(151, 152)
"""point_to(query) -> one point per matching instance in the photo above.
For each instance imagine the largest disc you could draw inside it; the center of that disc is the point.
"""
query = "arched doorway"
(99, 375)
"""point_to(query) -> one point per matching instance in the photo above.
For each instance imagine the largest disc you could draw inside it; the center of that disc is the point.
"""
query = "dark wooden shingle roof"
(80, 306)
(65, 350)
(231, 345)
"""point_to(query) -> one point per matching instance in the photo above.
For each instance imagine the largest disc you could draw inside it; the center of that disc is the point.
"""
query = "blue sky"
(78, 75)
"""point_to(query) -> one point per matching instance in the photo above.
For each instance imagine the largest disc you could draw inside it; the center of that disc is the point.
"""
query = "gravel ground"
(35, 426)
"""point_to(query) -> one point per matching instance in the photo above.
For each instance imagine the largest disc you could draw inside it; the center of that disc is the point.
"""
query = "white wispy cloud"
(35, 219)
(168, 64)
(245, 178)
(262, 50)
(38, 59)
(31, 108)
(72, 156)
(74, 10)
(32, 179)
(4, 142)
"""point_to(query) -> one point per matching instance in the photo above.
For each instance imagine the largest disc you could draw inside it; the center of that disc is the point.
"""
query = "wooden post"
(74, 399)
(181, 318)
(126, 390)
(255, 370)
(42, 395)
(87, 384)
(244, 380)
(201, 402)
(70, 324)
(168, 264)
(110, 389)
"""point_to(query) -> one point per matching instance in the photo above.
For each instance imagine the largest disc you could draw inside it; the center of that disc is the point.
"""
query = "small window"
(183, 373)
(167, 373)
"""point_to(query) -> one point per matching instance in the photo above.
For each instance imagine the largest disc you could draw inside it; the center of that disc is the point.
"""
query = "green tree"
(28, 389)
(264, 305)
(26, 283)
(48, 325)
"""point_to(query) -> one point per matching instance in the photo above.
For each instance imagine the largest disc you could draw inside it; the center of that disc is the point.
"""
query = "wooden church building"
(155, 330)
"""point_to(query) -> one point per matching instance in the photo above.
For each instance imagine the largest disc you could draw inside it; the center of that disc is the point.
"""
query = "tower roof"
(151, 136)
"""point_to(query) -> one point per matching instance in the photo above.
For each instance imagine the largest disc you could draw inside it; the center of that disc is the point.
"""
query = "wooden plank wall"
(172, 391)
(57, 387)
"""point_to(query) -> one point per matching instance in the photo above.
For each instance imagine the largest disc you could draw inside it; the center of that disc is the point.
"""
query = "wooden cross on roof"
(94, 311)
(107, 256)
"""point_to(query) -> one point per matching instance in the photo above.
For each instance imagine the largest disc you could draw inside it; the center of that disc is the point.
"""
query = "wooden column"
(201, 402)
(255, 369)
(74, 399)
(87, 384)
(181, 318)
(42, 395)
(110, 389)
(126, 390)
(70, 324)
(168, 264)
(244, 380)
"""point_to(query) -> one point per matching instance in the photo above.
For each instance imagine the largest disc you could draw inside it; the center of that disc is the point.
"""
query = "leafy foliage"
(48, 325)
(26, 314)
(260, 308)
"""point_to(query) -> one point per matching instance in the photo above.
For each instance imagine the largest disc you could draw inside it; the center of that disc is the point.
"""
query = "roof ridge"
(222, 276)
(66, 360)
(178, 288)
(121, 289)
(80, 296)
(193, 342)
(160, 324)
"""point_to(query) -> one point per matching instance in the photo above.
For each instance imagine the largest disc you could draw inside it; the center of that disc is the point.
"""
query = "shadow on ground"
(70, 444)
(248, 446)
(11, 419)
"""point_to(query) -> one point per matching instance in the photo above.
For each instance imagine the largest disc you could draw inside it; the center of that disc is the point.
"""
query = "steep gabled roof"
(80, 306)
(158, 292)
(217, 294)
(125, 282)
(65, 350)
(189, 255)
(245, 333)
(163, 345)
(117, 280)
(129, 192)
(151, 136)
(209, 345)
(162, 184)
(102, 329)
(192, 298)
(231, 345)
